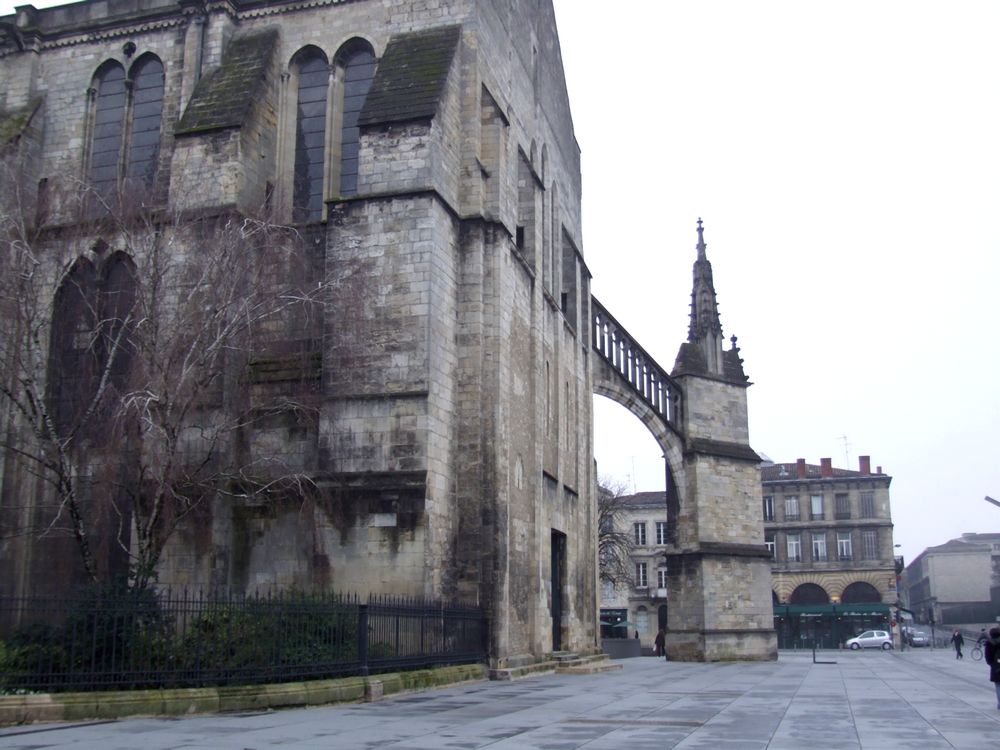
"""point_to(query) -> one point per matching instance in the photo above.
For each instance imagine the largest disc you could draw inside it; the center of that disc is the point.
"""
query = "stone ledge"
(50, 707)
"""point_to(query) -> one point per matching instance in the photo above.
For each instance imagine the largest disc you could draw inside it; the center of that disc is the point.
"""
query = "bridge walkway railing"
(640, 372)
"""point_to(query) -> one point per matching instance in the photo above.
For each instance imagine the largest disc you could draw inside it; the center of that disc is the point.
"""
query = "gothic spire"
(702, 353)
(704, 307)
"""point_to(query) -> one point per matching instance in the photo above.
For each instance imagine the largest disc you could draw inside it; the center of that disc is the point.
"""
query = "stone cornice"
(722, 549)
(721, 449)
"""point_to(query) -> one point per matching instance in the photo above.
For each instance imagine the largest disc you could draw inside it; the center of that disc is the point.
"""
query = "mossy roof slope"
(410, 77)
(224, 96)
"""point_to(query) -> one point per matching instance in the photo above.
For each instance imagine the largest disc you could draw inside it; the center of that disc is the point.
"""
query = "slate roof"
(788, 473)
(644, 499)
(689, 360)
(224, 96)
(410, 77)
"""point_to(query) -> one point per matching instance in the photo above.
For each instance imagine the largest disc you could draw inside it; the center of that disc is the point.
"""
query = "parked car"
(918, 638)
(870, 639)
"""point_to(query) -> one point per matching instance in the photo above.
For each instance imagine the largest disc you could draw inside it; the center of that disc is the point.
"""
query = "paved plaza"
(920, 700)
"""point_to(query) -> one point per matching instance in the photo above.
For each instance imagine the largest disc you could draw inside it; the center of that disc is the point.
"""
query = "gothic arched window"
(108, 128)
(310, 134)
(72, 352)
(147, 113)
(117, 310)
(92, 312)
(357, 60)
(127, 116)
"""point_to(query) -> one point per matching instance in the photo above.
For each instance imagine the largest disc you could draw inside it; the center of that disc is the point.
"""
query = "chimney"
(878, 469)
(865, 464)
(826, 467)
(800, 468)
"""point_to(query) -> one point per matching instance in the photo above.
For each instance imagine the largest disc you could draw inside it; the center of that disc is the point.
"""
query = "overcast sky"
(845, 157)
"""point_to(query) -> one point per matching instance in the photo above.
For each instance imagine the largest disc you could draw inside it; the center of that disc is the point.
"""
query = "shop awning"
(841, 610)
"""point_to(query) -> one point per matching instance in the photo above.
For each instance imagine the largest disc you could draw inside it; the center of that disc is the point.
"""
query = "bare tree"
(614, 544)
(130, 373)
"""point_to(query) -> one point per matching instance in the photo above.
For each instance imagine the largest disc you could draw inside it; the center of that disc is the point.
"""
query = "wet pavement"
(922, 699)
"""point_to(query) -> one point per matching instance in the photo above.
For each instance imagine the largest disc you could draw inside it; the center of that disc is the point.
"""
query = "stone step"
(589, 665)
(526, 670)
(562, 662)
(563, 656)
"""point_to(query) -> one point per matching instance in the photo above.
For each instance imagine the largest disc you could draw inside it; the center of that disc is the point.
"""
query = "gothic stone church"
(424, 151)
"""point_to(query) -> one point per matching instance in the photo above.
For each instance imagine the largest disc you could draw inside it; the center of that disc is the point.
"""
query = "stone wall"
(445, 391)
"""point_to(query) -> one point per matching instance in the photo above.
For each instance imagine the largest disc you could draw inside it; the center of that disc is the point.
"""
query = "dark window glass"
(843, 507)
(359, 70)
(310, 138)
(109, 117)
(73, 355)
(118, 298)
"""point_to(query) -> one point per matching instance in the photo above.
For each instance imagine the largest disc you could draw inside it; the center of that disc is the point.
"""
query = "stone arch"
(809, 593)
(642, 619)
(608, 383)
(860, 592)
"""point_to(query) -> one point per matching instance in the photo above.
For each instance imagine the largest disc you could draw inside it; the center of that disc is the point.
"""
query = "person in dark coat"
(992, 651)
(958, 641)
(659, 643)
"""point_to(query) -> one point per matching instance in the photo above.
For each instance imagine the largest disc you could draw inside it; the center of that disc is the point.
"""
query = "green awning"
(840, 610)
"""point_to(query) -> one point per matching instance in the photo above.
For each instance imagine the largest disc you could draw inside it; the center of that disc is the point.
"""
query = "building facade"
(639, 606)
(425, 153)
(830, 533)
(956, 583)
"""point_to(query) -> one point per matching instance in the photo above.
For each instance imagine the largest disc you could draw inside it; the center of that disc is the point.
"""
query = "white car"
(870, 639)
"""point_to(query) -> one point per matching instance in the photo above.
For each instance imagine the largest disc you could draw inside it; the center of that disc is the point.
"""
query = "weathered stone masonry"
(449, 374)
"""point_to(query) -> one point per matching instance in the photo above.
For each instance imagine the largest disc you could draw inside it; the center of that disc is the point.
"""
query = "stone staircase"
(561, 662)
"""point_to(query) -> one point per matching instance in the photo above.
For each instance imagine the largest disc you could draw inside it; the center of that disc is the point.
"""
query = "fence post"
(363, 638)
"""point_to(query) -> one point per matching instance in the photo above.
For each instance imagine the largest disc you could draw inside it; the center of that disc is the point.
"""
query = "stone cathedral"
(423, 151)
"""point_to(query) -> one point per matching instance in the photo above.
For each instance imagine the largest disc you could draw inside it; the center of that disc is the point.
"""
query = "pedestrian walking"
(660, 643)
(958, 641)
(992, 649)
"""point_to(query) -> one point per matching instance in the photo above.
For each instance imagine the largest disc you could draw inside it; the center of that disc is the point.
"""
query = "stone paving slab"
(918, 699)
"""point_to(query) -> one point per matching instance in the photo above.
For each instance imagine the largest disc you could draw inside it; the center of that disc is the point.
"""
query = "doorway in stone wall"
(558, 576)
(661, 617)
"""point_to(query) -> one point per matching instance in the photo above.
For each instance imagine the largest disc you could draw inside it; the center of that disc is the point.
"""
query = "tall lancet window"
(358, 62)
(108, 129)
(147, 113)
(310, 134)
(127, 114)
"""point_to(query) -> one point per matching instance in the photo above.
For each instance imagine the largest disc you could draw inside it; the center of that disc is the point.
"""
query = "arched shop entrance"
(801, 626)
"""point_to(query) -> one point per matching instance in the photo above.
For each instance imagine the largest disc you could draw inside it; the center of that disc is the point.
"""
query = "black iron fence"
(104, 641)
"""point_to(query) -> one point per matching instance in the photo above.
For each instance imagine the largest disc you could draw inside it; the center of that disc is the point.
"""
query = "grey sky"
(846, 160)
(845, 157)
